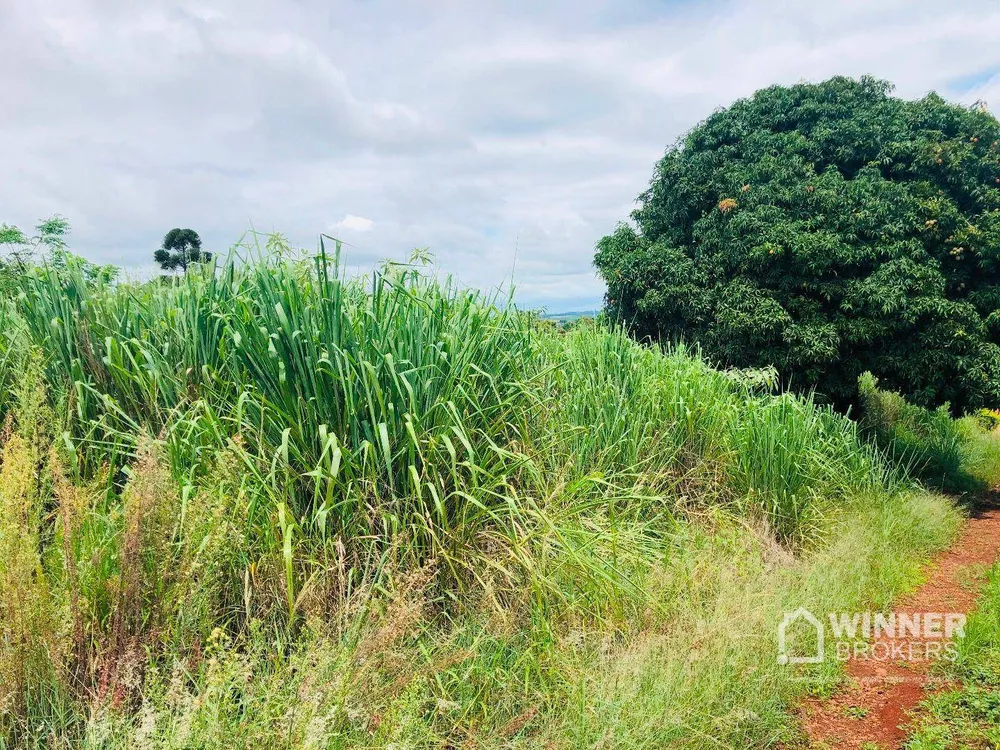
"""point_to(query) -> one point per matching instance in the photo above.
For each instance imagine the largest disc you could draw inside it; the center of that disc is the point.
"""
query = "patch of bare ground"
(875, 705)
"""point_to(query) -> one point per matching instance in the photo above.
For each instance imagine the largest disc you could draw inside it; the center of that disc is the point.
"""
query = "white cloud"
(477, 129)
(355, 223)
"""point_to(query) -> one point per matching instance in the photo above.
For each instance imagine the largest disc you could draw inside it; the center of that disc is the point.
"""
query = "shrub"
(988, 419)
(953, 455)
(826, 230)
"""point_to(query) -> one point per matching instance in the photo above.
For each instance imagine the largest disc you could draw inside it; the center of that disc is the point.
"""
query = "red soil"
(875, 706)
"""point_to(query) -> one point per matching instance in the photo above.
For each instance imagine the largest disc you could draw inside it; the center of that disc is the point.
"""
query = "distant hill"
(572, 315)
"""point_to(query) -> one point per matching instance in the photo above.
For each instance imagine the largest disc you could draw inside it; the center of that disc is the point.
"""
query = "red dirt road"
(872, 710)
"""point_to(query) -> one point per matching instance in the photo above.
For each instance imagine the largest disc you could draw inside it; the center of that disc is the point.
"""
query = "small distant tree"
(52, 234)
(14, 246)
(181, 248)
(18, 251)
(14, 256)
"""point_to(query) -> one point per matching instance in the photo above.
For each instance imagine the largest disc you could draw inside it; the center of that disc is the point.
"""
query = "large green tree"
(825, 229)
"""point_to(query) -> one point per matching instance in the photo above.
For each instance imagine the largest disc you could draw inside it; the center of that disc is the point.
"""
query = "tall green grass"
(391, 403)
(274, 505)
(373, 407)
(958, 456)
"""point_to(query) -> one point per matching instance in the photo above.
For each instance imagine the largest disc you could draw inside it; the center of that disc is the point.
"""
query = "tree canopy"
(825, 229)
(180, 248)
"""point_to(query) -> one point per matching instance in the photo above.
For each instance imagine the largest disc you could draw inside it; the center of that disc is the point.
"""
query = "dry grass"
(33, 639)
(145, 573)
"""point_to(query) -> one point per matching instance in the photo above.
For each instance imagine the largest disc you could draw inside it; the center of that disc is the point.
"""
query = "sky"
(505, 136)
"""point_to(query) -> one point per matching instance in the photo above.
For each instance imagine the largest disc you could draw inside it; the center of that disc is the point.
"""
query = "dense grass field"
(262, 505)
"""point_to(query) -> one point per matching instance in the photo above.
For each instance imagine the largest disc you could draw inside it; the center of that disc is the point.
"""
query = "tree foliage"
(828, 230)
(181, 248)
(18, 249)
(18, 252)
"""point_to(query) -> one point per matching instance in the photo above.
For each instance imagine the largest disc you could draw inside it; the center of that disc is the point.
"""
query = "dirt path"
(873, 709)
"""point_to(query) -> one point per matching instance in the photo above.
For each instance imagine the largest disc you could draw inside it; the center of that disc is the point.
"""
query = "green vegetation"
(571, 317)
(956, 456)
(262, 505)
(968, 717)
(181, 249)
(707, 676)
(826, 230)
(18, 251)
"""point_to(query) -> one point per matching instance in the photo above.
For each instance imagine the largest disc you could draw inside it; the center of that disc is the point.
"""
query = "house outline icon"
(790, 618)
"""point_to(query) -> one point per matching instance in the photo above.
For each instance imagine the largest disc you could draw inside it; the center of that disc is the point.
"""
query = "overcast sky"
(477, 128)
